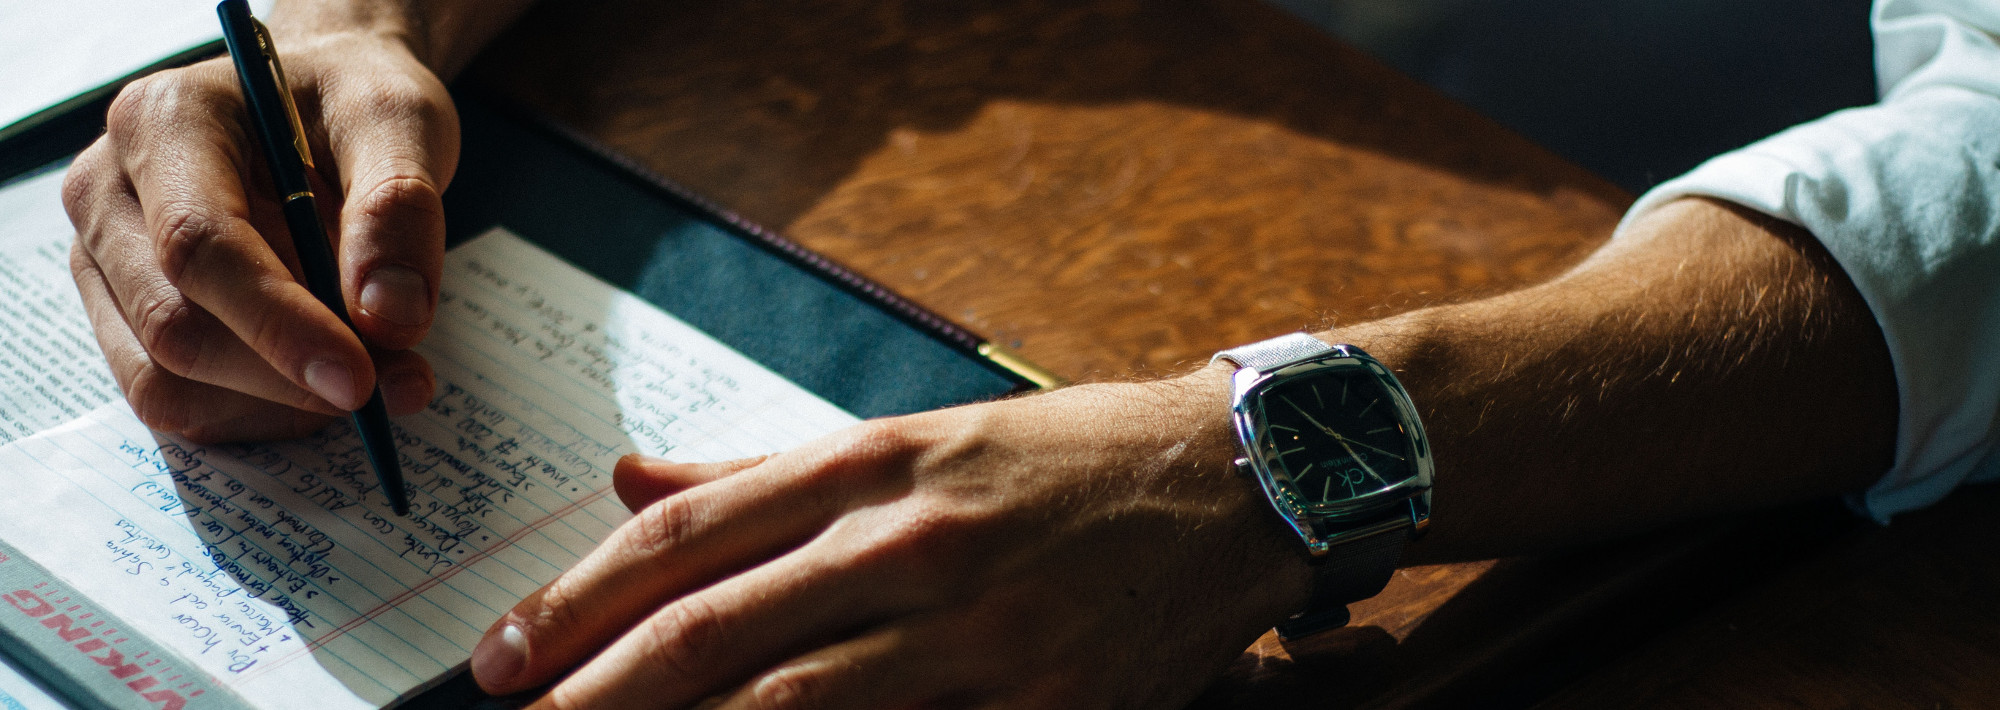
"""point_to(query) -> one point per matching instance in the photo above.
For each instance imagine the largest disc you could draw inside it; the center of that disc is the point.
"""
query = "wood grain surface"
(1116, 186)
(1119, 189)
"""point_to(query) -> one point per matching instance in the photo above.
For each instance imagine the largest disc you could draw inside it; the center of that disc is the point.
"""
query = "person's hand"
(188, 272)
(1087, 548)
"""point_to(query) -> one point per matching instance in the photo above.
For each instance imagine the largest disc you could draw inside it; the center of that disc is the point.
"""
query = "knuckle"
(169, 329)
(870, 452)
(387, 99)
(405, 189)
(186, 235)
(80, 184)
(681, 638)
(403, 192)
(133, 103)
(793, 688)
(923, 556)
(158, 400)
(162, 97)
(924, 546)
(82, 266)
(559, 606)
(916, 530)
(401, 97)
(86, 191)
(880, 436)
(664, 526)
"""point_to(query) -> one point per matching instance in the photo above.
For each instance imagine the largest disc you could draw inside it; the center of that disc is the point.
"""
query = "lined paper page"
(279, 570)
(50, 368)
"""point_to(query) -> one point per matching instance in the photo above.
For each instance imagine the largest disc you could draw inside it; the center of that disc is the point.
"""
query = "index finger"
(670, 548)
(187, 167)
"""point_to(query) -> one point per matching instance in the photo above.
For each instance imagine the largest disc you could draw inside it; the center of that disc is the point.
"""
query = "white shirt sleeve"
(1905, 194)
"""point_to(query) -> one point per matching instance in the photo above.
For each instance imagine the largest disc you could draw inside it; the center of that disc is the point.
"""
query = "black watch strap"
(1350, 572)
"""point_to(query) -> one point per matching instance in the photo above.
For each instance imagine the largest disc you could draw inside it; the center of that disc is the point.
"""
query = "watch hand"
(1383, 451)
(1309, 418)
(1343, 443)
(1336, 435)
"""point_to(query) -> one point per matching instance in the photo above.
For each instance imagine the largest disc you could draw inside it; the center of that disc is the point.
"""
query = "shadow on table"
(818, 86)
(1529, 625)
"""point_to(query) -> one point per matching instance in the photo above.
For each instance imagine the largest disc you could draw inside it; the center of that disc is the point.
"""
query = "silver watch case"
(1405, 505)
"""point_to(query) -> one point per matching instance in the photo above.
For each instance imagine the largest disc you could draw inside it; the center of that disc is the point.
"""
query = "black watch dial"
(1336, 433)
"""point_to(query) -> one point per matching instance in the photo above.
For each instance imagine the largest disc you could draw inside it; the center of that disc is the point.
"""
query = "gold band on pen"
(296, 195)
(1007, 358)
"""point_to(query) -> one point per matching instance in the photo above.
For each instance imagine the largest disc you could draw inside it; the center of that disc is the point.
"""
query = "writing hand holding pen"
(186, 265)
(288, 156)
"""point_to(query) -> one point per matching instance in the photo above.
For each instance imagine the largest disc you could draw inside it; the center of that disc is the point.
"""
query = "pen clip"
(285, 91)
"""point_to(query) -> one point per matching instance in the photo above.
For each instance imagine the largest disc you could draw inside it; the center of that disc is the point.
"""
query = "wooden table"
(1119, 189)
(1899, 618)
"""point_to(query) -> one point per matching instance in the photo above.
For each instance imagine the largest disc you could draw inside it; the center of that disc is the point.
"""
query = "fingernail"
(398, 295)
(334, 383)
(499, 657)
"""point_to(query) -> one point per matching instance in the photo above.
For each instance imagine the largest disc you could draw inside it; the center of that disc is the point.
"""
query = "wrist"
(297, 25)
(1335, 448)
(1274, 555)
(442, 36)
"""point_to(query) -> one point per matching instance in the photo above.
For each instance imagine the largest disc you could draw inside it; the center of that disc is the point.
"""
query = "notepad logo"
(85, 642)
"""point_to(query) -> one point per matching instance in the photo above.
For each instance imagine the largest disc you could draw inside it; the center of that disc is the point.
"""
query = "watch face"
(1336, 433)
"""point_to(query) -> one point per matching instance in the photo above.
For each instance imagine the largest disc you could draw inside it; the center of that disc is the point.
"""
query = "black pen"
(277, 120)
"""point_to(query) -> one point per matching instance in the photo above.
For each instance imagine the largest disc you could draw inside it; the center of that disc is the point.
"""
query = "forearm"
(1707, 362)
(443, 34)
(994, 553)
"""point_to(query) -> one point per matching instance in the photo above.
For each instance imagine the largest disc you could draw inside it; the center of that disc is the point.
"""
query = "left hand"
(1086, 548)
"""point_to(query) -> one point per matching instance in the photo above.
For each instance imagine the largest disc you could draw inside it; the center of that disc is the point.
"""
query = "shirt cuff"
(1906, 198)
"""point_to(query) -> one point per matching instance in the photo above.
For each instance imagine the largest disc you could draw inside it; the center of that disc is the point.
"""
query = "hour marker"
(1371, 405)
(1343, 393)
(1378, 431)
(1317, 398)
(1302, 472)
(1289, 452)
(1326, 489)
(1281, 426)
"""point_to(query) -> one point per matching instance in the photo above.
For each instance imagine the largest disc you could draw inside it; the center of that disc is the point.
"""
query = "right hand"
(188, 272)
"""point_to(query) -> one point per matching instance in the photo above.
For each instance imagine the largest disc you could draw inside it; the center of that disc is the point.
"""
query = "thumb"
(394, 165)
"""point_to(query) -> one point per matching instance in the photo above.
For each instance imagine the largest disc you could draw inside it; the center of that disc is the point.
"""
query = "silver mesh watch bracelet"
(1354, 569)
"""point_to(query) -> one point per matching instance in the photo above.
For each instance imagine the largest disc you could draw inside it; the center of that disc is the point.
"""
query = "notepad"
(50, 368)
(149, 571)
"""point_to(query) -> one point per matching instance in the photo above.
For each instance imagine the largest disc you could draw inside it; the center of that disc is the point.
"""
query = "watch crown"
(1242, 462)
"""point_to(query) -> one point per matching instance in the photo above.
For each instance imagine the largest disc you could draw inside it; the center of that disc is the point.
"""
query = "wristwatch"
(1333, 440)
